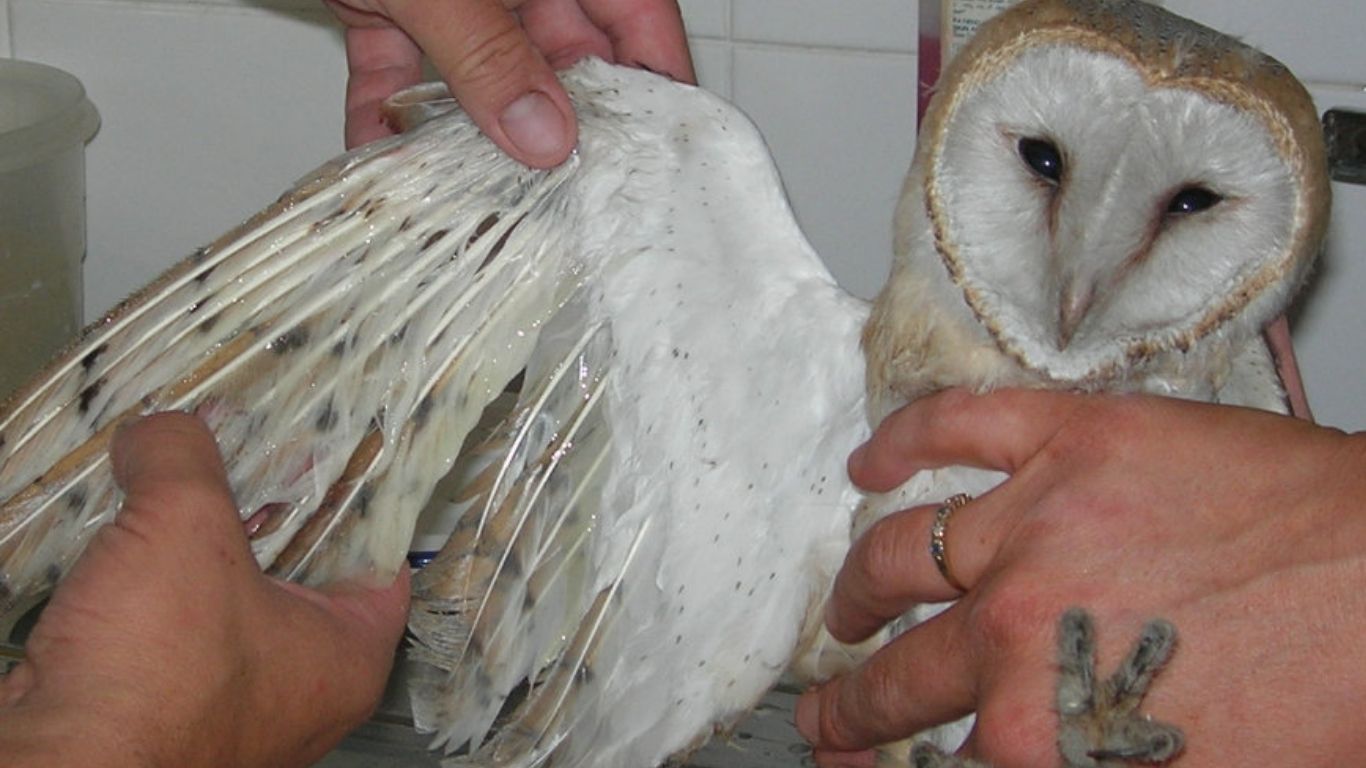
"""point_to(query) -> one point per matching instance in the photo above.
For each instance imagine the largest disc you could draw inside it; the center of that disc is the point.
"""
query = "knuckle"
(880, 555)
(166, 425)
(954, 401)
(1102, 428)
(496, 62)
(848, 711)
(950, 407)
(836, 731)
(1011, 731)
(1008, 616)
(162, 500)
(180, 495)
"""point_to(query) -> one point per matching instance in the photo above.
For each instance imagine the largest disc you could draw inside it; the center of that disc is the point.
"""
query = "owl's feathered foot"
(1101, 724)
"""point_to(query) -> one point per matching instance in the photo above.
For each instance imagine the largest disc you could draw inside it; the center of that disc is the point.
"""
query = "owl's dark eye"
(1042, 157)
(1192, 200)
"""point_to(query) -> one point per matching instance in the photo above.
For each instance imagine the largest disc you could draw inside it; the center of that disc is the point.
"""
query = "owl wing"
(638, 543)
(333, 344)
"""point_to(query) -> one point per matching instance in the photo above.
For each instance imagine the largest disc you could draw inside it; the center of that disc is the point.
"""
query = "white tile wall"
(858, 24)
(712, 60)
(4, 29)
(211, 107)
(706, 18)
(841, 126)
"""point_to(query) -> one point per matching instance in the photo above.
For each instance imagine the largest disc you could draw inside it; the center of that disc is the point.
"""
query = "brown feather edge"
(1235, 75)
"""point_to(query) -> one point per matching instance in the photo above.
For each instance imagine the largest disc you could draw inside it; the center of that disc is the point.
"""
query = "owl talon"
(1101, 725)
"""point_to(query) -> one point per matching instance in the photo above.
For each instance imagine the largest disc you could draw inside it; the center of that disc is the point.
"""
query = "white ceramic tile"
(706, 18)
(884, 25)
(711, 59)
(4, 29)
(208, 113)
(841, 126)
(1321, 40)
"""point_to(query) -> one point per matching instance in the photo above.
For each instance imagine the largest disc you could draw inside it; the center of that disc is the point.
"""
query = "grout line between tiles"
(280, 7)
(1336, 85)
(769, 45)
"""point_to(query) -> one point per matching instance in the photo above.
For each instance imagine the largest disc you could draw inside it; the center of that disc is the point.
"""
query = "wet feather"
(676, 337)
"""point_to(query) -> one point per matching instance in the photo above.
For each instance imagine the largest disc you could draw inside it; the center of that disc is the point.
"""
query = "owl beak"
(1074, 303)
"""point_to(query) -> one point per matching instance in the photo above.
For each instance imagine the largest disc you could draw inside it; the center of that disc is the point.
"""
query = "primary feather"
(640, 545)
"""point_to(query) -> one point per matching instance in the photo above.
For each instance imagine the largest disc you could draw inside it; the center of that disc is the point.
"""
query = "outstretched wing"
(639, 543)
(336, 345)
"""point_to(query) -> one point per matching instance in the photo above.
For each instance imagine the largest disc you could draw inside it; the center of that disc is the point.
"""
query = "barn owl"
(1104, 197)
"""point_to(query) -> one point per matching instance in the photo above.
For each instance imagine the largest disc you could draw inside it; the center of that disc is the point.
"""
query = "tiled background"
(211, 108)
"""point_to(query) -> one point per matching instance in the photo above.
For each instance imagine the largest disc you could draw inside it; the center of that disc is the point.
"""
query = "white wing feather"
(644, 539)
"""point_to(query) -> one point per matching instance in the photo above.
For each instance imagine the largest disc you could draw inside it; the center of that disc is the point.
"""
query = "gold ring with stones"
(938, 547)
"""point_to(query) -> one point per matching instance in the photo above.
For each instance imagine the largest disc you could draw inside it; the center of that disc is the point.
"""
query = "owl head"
(1102, 190)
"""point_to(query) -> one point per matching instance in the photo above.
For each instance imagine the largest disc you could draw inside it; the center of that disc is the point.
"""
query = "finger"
(648, 35)
(1014, 723)
(382, 60)
(920, 679)
(997, 431)
(890, 568)
(563, 32)
(497, 76)
(1014, 730)
(16, 684)
(165, 447)
(174, 483)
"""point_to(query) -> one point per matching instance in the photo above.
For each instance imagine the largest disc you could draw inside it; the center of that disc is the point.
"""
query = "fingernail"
(807, 715)
(534, 125)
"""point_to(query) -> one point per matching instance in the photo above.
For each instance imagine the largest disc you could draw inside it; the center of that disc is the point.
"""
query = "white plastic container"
(45, 122)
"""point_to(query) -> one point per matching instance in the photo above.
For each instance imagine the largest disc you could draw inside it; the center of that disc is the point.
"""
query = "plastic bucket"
(45, 122)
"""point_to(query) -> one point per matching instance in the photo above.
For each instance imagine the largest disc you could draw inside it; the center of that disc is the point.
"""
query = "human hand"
(1244, 529)
(166, 645)
(497, 55)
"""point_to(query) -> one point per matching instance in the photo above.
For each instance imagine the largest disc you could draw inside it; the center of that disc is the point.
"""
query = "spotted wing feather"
(643, 540)
(336, 344)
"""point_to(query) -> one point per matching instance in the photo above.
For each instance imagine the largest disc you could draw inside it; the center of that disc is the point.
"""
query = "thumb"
(496, 74)
(174, 484)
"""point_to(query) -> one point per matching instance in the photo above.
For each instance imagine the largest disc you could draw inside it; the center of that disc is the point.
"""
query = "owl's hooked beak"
(1074, 301)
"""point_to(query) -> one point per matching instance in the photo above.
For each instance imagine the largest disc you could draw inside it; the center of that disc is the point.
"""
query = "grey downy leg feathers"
(1101, 725)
